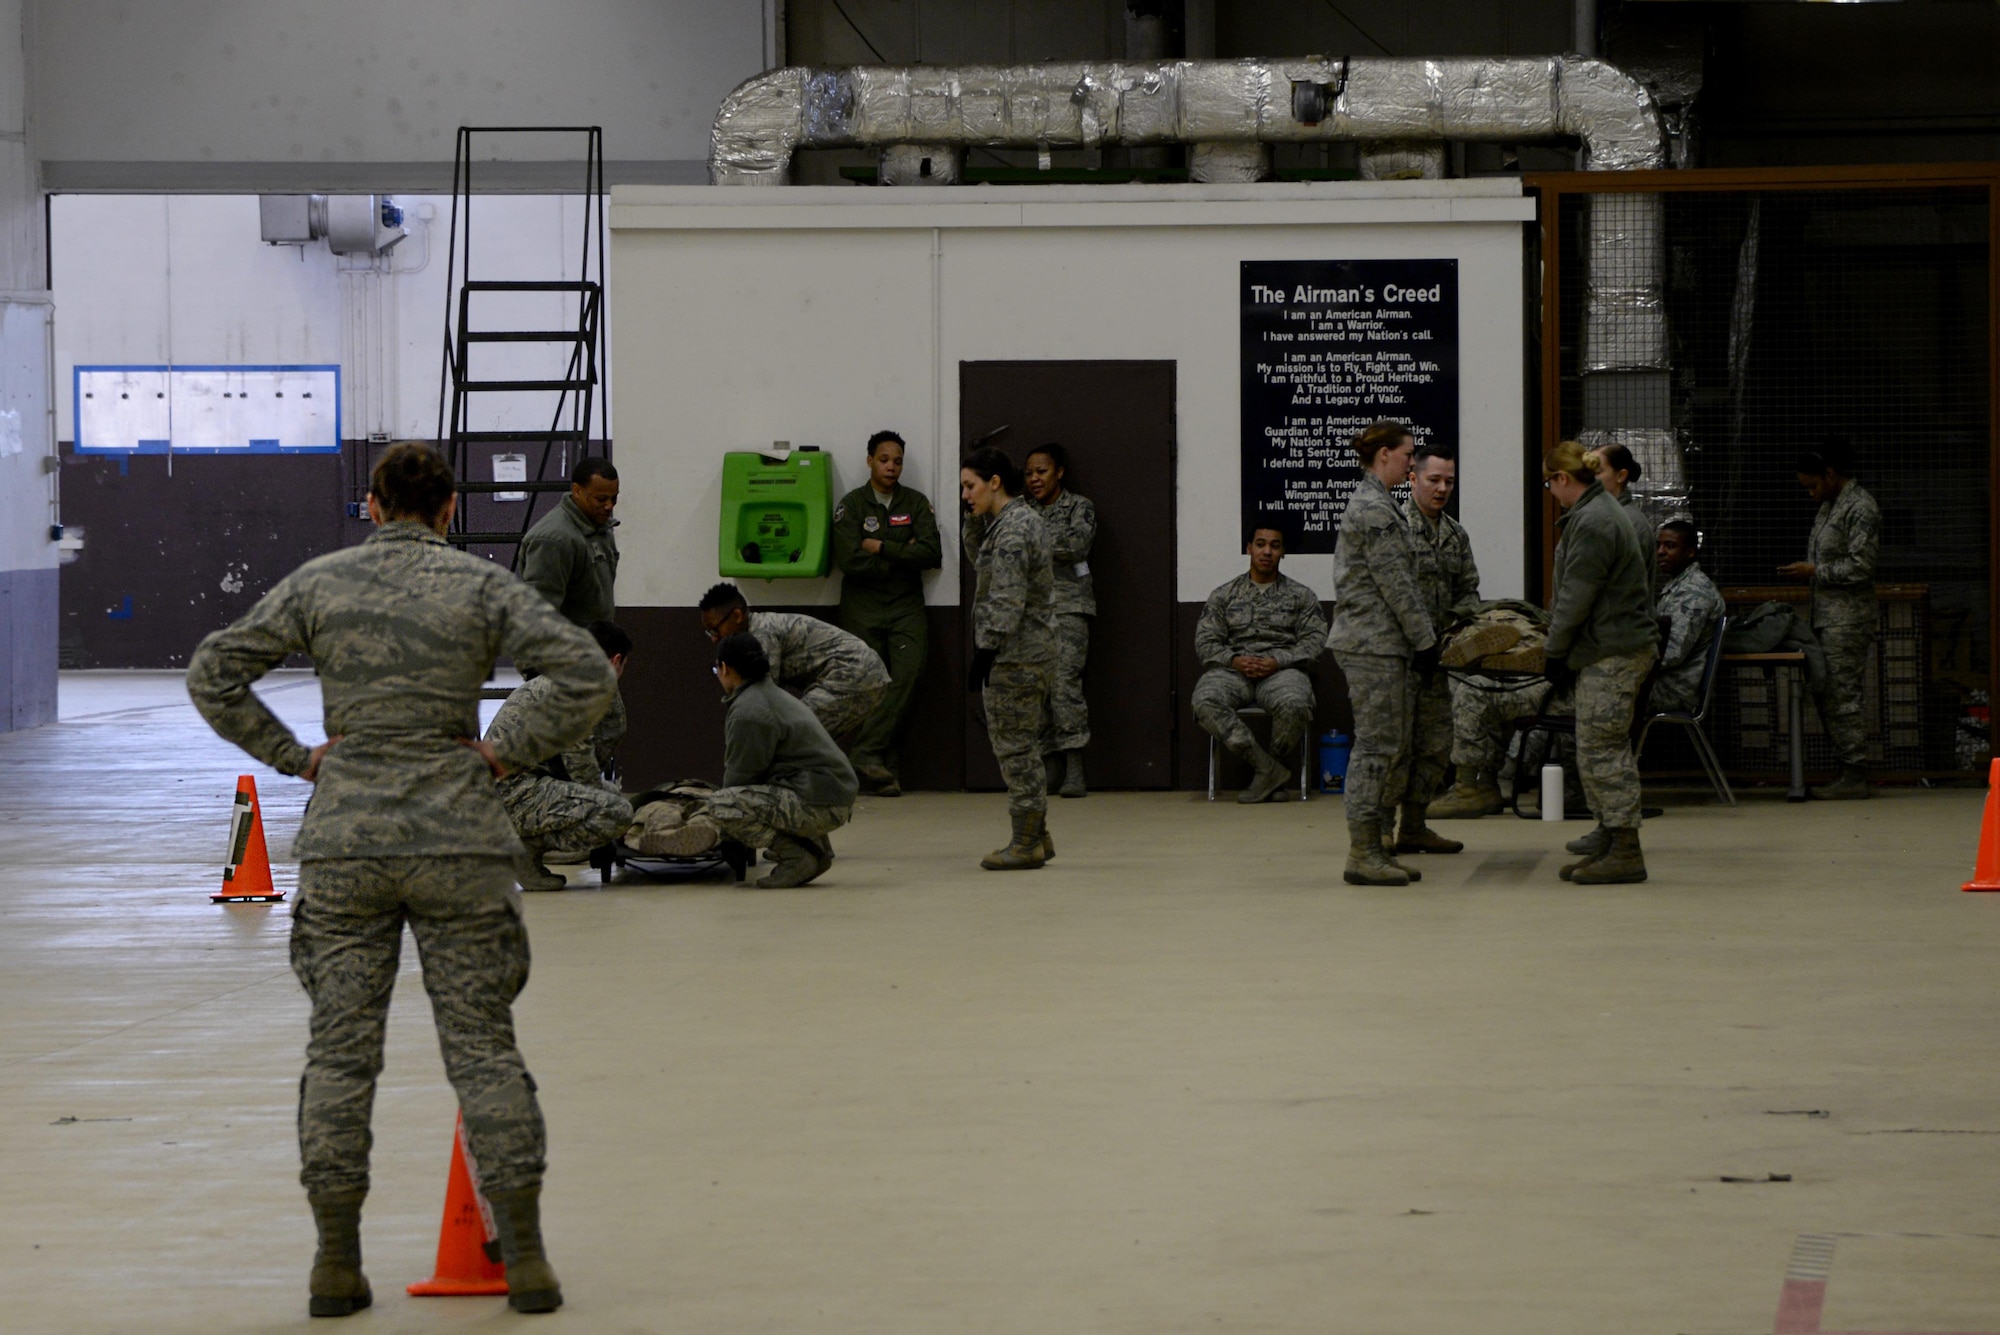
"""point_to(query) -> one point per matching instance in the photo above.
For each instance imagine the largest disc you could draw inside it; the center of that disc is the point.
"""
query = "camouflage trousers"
(1381, 691)
(842, 706)
(1069, 716)
(1606, 694)
(1848, 651)
(757, 813)
(1017, 706)
(551, 813)
(1482, 723)
(347, 933)
(1286, 695)
(1429, 751)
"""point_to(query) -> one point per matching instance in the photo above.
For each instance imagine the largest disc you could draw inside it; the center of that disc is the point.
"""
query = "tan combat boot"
(1473, 795)
(1368, 862)
(1072, 783)
(1271, 777)
(533, 874)
(797, 862)
(1389, 853)
(531, 1280)
(1417, 837)
(1588, 848)
(1852, 785)
(337, 1286)
(1621, 864)
(1024, 852)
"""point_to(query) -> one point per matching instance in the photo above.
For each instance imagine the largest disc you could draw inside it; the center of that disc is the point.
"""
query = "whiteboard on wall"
(207, 409)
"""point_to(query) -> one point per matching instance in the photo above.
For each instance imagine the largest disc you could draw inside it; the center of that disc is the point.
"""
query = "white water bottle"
(1552, 792)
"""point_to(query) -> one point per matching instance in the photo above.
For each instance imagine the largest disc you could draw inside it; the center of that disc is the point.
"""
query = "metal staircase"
(471, 402)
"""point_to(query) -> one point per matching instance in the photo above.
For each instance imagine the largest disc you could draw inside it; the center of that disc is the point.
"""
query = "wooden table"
(1796, 714)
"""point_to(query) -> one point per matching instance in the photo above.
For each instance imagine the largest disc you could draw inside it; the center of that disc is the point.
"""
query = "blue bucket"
(1334, 749)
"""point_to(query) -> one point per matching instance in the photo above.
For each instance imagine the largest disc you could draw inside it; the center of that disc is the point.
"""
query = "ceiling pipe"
(1195, 102)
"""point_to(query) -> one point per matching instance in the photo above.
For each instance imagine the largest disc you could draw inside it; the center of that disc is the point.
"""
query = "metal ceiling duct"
(1195, 102)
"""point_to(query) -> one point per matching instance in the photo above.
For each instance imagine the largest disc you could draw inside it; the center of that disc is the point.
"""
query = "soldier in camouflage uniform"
(1600, 645)
(406, 827)
(840, 679)
(785, 784)
(1385, 644)
(566, 802)
(1072, 524)
(1013, 644)
(1692, 608)
(1449, 579)
(1256, 635)
(1840, 561)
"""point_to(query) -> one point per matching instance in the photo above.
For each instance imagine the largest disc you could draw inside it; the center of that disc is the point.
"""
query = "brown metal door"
(1117, 421)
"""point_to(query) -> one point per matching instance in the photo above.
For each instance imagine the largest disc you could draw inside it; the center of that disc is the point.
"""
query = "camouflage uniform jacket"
(1072, 524)
(1846, 538)
(1446, 572)
(1013, 606)
(584, 762)
(403, 631)
(769, 737)
(1280, 620)
(908, 532)
(1601, 606)
(803, 650)
(573, 563)
(1378, 603)
(1692, 606)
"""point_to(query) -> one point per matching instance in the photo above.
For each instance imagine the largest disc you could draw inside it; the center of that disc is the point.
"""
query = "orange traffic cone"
(247, 878)
(1986, 867)
(468, 1260)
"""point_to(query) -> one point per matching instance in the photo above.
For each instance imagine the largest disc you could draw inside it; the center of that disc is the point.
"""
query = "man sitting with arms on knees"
(785, 785)
(565, 801)
(1689, 602)
(839, 678)
(1255, 635)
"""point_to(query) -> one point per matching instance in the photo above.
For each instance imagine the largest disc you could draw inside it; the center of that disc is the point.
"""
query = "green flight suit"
(882, 600)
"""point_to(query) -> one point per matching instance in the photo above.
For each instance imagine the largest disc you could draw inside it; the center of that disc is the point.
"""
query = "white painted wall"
(818, 315)
(185, 279)
(300, 81)
(27, 488)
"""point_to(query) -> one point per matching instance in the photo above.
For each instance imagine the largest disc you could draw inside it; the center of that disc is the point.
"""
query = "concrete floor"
(1181, 1080)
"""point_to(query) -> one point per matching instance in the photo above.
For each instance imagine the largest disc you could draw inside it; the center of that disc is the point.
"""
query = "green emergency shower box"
(777, 514)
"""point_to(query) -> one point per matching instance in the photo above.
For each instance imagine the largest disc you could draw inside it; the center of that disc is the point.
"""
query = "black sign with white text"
(1328, 347)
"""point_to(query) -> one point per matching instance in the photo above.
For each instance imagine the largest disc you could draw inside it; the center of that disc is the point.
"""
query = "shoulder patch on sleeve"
(840, 512)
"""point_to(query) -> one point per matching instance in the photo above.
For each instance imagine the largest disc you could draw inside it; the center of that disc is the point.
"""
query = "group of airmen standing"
(417, 819)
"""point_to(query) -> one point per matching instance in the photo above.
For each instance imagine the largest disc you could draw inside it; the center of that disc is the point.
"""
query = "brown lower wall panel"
(676, 711)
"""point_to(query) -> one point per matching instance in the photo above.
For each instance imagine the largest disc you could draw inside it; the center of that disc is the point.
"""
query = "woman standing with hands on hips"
(1013, 644)
(1383, 640)
(1071, 521)
(1600, 645)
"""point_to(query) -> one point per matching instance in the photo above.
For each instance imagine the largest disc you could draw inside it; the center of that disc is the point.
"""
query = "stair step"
(526, 335)
(523, 386)
(527, 285)
(524, 437)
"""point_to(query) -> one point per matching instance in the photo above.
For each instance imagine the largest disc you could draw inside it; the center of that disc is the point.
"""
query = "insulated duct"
(1401, 113)
(1099, 103)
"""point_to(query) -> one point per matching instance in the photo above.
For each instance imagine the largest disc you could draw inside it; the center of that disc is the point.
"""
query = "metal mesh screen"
(1720, 333)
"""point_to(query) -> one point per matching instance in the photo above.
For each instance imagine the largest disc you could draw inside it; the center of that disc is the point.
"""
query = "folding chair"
(1305, 753)
(1693, 719)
